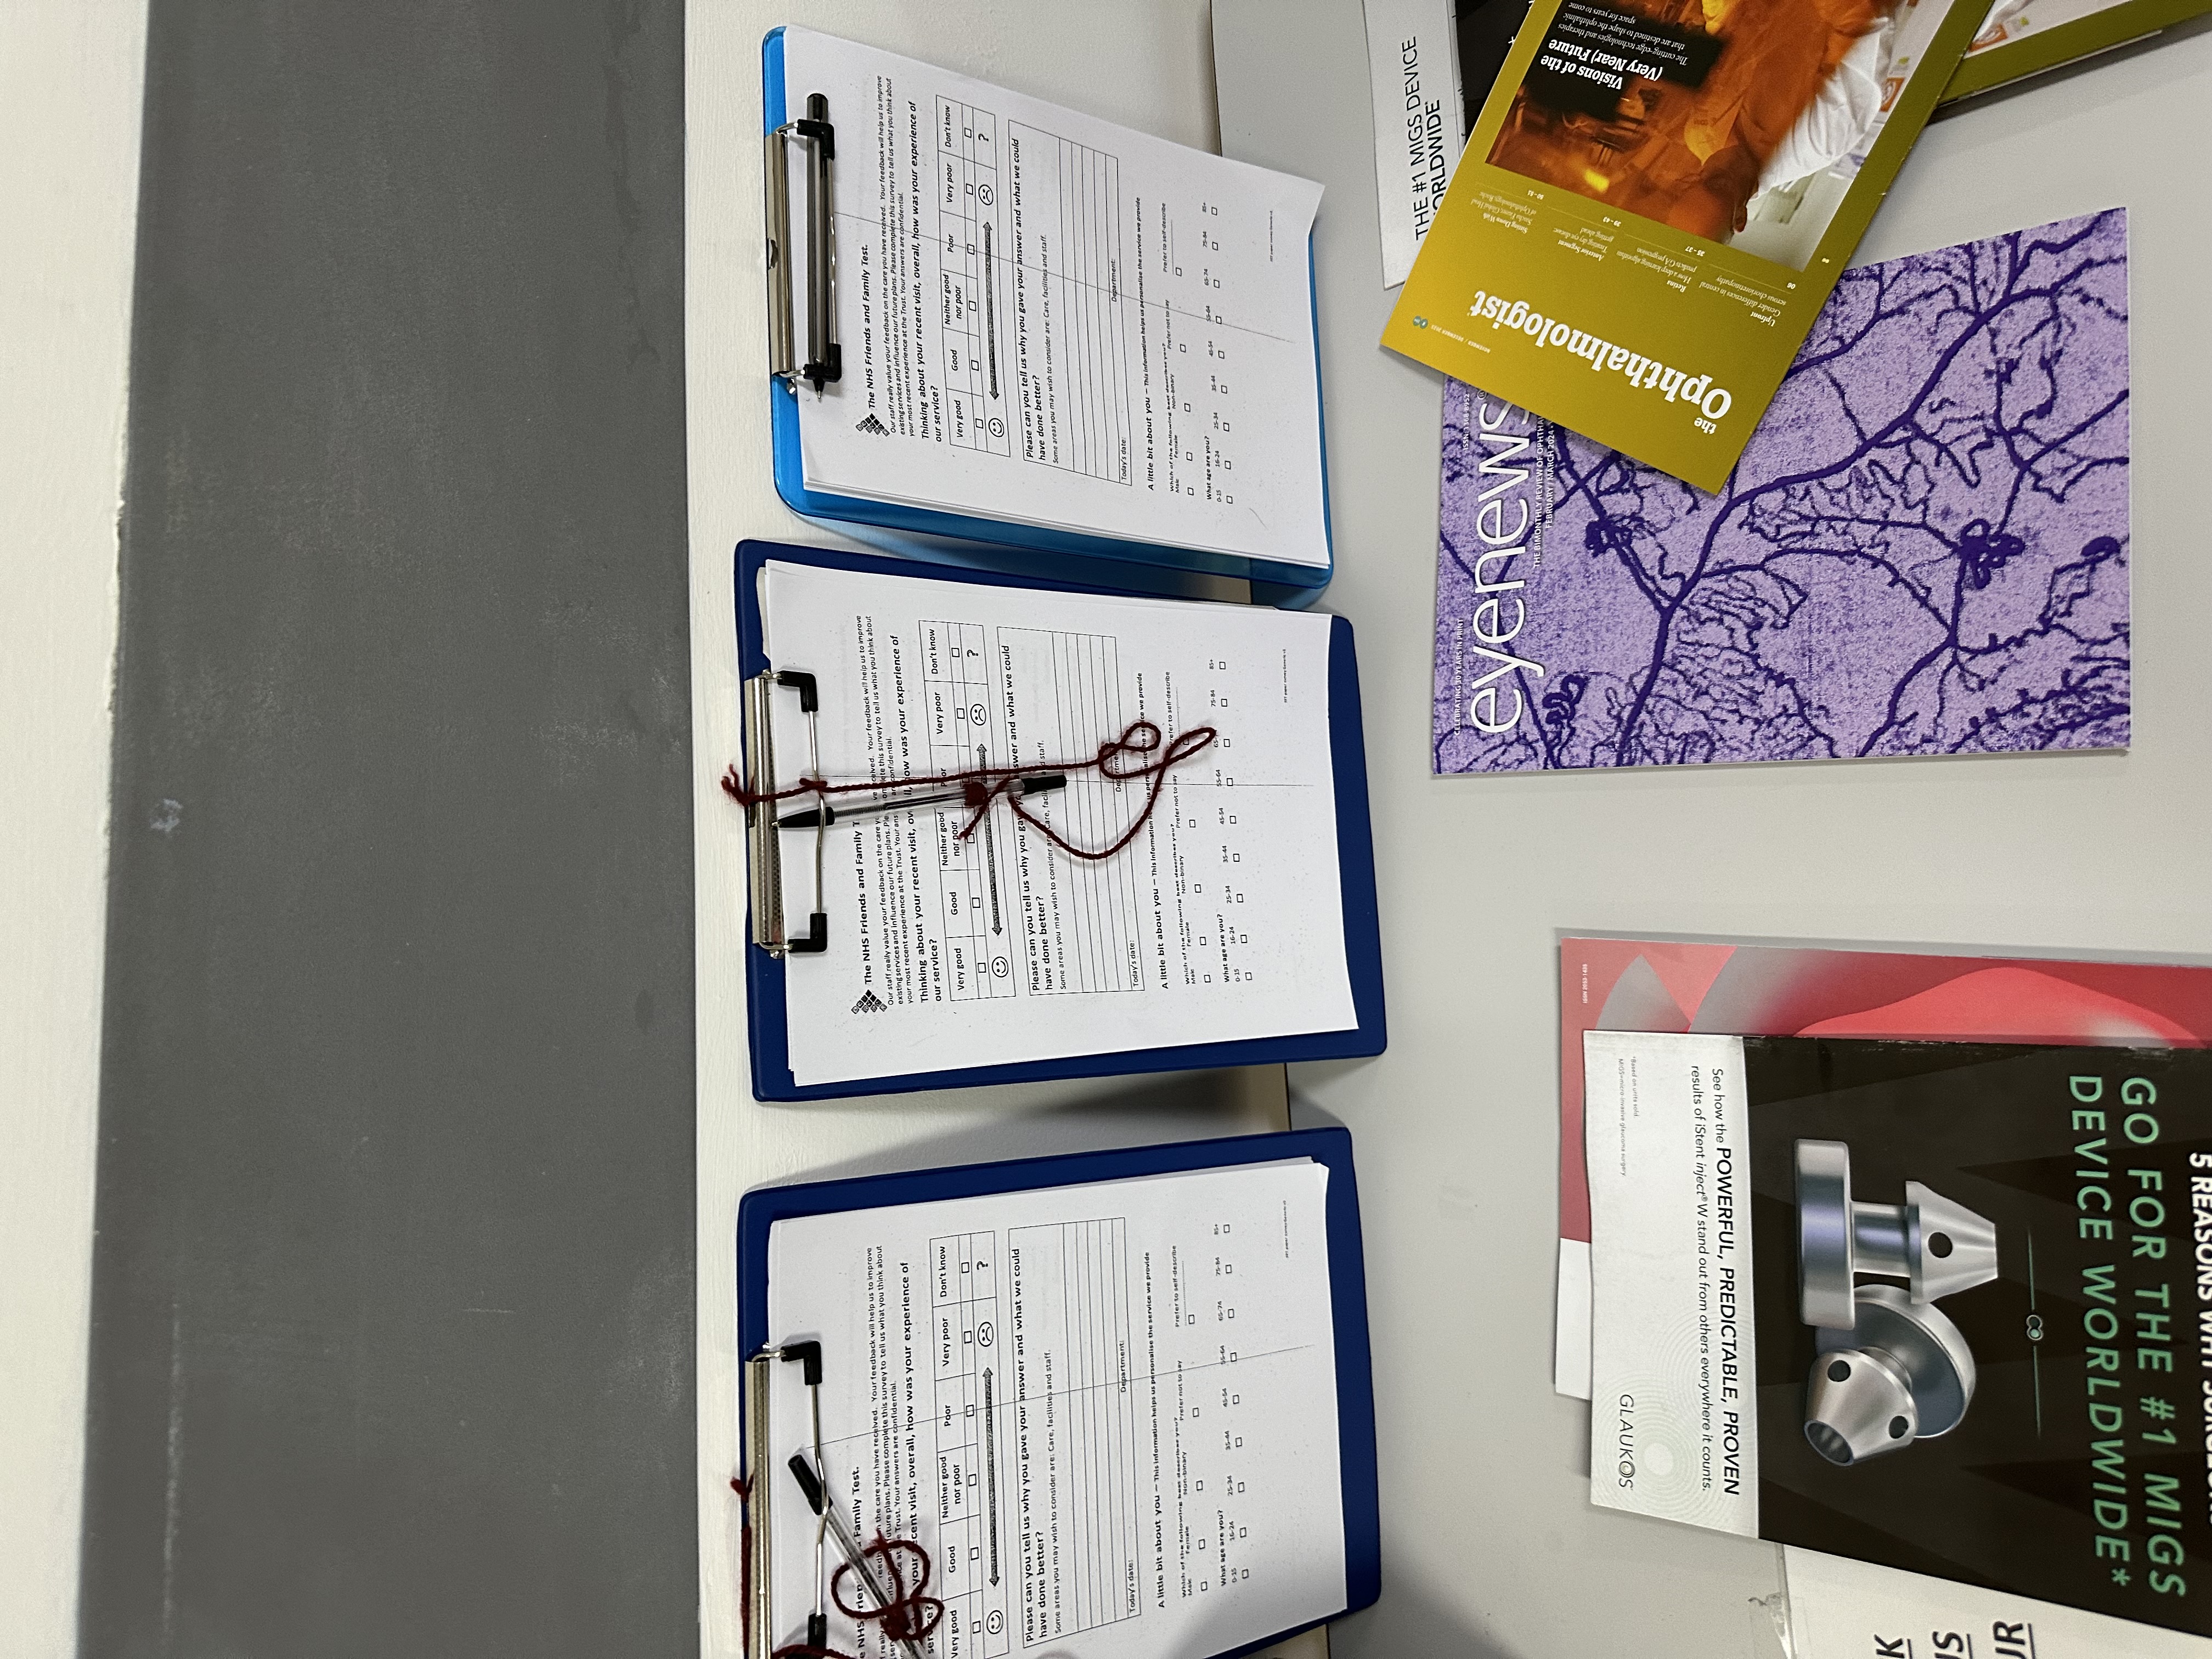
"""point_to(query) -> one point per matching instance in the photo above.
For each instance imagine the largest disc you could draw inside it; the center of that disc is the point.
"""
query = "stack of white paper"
(1051, 320)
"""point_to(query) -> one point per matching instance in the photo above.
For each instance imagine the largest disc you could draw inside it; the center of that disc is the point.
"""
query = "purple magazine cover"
(1923, 551)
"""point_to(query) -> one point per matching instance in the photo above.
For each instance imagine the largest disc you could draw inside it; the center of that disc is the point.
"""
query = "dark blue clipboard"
(1032, 548)
(763, 1207)
(765, 1008)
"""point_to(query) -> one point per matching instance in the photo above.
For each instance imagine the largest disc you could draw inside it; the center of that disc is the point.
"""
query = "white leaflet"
(1418, 114)
(1840, 1609)
(1674, 1412)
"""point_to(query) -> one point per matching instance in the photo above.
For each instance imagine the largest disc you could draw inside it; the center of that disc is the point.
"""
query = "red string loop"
(909, 1616)
(1142, 752)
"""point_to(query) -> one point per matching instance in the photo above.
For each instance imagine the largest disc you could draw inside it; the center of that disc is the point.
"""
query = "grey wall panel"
(391, 1347)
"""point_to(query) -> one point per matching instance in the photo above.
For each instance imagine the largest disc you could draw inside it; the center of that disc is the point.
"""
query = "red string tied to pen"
(1143, 753)
(910, 1615)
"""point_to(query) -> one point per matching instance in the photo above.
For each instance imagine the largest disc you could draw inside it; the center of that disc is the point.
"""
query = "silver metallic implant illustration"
(1902, 1373)
(1892, 1368)
(1938, 1248)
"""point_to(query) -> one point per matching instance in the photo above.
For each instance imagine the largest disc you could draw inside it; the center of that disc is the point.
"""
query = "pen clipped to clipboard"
(881, 1568)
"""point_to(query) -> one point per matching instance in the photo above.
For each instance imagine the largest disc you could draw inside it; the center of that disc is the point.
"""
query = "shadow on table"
(1112, 1113)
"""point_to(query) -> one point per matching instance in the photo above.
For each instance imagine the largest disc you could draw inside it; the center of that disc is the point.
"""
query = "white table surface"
(1147, 63)
(1489, 1545)
(72, 80)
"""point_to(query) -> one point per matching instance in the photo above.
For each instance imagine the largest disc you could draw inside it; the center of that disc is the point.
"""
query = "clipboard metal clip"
(824, 358)
(758, 1573)
(764, 866)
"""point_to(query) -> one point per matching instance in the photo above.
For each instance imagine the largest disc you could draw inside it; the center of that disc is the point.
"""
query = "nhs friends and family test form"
(1222, 920)
(1048, 319)
(1108, 1412)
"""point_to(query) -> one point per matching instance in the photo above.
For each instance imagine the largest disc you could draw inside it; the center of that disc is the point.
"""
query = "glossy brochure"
(1931, 1306)
(1924, 551)
(1650, 213)
(1782, 990)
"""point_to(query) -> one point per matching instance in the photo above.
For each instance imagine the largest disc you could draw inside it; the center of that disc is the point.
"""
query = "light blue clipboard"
(1020, 549)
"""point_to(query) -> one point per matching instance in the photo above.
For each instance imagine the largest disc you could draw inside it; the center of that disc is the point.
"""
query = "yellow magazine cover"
(1656, 201)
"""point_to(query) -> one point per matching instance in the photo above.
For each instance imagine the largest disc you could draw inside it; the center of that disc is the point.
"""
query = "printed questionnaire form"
(1108, 1412)
(1222, 920)
(1052, 320)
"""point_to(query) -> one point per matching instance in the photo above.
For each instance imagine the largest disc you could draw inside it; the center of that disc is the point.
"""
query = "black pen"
(821, 817)
(817, 1499)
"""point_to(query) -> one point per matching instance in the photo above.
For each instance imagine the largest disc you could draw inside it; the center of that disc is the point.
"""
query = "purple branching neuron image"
(1922, 551)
